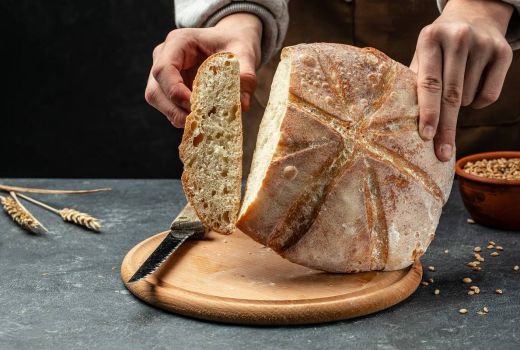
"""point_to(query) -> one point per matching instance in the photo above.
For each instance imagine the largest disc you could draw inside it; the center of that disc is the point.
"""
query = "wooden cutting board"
(234, 279)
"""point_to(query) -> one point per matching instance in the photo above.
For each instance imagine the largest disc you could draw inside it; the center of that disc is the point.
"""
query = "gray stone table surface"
(62, 290)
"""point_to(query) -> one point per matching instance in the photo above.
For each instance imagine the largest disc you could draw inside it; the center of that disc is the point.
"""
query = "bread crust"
(371, 196)
(187, 139)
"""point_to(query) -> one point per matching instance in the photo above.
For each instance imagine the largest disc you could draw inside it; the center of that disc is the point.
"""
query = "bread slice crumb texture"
(211, 147)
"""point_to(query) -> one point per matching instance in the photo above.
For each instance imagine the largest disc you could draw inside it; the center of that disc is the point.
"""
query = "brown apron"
(391, 27)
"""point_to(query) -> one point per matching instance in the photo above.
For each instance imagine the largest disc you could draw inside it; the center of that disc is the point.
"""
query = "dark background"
(74, 78)
(74, 74)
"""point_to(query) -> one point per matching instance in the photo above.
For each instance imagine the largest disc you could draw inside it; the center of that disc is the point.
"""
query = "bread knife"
(185, 226)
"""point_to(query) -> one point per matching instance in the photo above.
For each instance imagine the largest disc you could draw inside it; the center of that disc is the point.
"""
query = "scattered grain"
(431, 268)
(491, 243)
(484, 311)
(467, 280)
(475, 289)
(470, 221)
(495, 254)
(446, 251)
(463, 311)
(499, 291)
(477, 249)
(499, 247)
(516, 268)
(470, 292)
(490, 246)
(430, 280)
(436, 292)
(424, 283)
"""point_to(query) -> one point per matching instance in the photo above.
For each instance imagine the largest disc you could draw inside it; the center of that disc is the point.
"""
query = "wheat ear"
(69, 215)
(21, 215)
(80, 218)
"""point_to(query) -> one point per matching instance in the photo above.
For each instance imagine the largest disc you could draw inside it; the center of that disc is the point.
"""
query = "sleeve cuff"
(274, 29)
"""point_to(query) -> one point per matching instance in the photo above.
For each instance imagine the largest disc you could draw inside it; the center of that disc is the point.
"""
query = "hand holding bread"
(176, 60)
(461, 59)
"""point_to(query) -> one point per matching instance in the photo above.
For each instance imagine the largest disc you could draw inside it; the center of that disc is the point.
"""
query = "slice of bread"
(211, 147)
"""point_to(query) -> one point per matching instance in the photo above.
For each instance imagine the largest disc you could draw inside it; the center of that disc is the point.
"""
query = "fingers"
(429, 83)
(455, 58)
(475, 66)
(494, 76)
(247, 60)
(156, 98)
(247, 88)
(178, 53)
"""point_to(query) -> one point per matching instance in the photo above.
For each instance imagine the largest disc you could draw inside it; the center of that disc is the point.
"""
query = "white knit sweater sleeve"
(206, 13)
(513, 31)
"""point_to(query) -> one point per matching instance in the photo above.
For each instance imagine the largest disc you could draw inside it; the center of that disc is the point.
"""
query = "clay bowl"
(491, 202)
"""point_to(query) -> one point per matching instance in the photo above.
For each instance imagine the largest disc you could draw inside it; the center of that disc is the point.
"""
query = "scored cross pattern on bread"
(341, 180)
(211, 147)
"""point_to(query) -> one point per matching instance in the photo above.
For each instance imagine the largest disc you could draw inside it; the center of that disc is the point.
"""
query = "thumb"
(415, 64)
(247, 79)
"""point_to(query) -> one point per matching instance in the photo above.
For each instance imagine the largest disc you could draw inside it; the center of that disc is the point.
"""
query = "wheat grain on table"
(62, 290)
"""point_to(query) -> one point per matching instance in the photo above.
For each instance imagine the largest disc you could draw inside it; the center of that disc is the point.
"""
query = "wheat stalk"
(20, 214)
(69, 215)
(44, 191)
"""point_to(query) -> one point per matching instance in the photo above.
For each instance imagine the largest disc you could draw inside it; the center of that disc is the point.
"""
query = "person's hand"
(461, 59)
(175, 62)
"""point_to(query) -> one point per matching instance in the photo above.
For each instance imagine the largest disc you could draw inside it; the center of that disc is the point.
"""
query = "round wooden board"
(234, 279)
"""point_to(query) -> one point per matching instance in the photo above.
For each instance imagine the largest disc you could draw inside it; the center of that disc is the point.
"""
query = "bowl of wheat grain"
(490, 188)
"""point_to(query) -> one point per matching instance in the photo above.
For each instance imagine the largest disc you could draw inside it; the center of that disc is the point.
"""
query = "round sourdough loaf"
(341, 180)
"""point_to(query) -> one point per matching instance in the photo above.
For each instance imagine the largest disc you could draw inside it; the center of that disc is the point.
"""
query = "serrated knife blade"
(185, 226)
